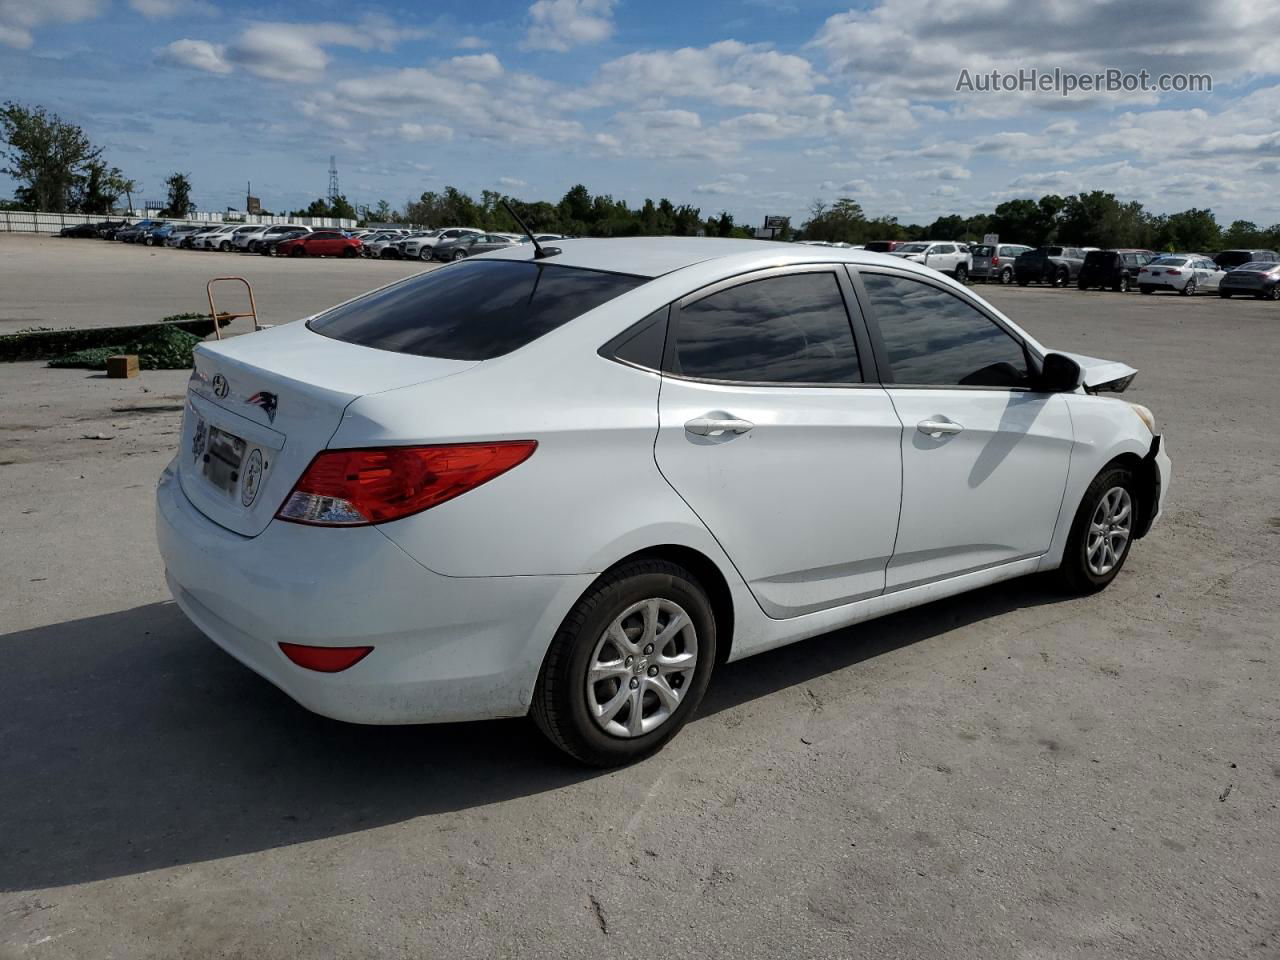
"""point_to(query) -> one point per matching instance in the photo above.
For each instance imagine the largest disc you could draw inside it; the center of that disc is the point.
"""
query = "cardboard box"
(122, 366)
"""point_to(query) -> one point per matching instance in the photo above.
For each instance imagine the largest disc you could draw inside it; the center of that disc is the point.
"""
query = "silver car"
(995, 262)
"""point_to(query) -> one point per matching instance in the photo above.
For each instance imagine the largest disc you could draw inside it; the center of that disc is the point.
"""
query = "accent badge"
(252, 478)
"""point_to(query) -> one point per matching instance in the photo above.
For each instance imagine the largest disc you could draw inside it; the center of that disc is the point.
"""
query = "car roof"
(657, 256)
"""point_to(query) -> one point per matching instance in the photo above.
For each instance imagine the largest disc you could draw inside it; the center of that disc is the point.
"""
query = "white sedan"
(215, 238)
(1184, 273)
(569, 481)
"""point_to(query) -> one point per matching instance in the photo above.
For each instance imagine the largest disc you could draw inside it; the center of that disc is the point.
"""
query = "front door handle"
(708, 427)
(936, 428)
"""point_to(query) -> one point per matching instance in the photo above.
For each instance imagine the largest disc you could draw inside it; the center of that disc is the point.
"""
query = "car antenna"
(539, 251)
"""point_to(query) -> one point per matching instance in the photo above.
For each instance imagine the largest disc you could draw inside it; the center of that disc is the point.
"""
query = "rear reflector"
(325, 659)
(344, 488)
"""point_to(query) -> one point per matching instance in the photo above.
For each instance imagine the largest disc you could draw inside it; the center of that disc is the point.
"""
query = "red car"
(321, 243)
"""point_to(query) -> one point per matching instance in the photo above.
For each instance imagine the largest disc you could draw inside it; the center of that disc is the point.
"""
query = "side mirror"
(1059, 374)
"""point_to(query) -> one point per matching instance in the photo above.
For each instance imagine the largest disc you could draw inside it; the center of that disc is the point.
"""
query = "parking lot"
(1006, 774)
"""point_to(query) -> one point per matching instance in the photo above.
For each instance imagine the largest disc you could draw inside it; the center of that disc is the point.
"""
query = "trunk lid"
(260, 406)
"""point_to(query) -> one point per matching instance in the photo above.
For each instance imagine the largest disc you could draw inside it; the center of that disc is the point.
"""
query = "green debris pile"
(44, 344)
(161, 348)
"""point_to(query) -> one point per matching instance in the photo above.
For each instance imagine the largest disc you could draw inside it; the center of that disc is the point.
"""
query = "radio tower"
(333, 178)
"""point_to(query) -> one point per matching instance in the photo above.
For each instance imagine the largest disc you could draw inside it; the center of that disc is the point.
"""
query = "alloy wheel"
(1109, 531)
(641, 667)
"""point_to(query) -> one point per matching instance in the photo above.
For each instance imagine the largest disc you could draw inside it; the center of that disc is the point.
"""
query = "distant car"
(995, 262)
(107, 229)
(252, 238)
(320, 243)
(882, 246)
(375, 246)
(1259, 279)
(80, 230)
(180, 236)
(423, 247)
(1185, 273)
(1114, 269)
(269, 246)
(1229, 259)
(213, 237)
(945, 256)
(471, 245)
(410, 247)
(135, 231)
(1052, 264)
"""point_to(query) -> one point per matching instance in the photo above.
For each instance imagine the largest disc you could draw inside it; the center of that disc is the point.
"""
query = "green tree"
(1191, 231)
(1244, 233)
(100, 188)
(179, 203)
(48, 157)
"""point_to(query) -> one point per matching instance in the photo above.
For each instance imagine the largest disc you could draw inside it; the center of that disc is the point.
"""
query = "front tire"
(459, 255)
(425, 254)
(1122, 285)
(1101, 533)
(224, 246)
(1274, 292)
(1061, 277)
(1188, 289)
(629, 665)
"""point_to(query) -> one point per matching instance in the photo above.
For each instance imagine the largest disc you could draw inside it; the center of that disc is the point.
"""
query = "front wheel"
(1060, 278)
(425, 254)
(1122, 285)
(1274, 292)
(459, 255)
(1189, 289)
(296, 252)
(224, 246)
(628, 666)
(348, 252)
(1101, 533)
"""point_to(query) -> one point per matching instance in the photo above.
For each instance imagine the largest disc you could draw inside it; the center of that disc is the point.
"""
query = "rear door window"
(473, 309)
(789, 329)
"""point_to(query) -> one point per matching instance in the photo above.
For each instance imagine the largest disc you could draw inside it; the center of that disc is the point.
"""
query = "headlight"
(1145, 415)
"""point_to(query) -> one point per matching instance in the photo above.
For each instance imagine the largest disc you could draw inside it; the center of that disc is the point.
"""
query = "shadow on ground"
(128, 743)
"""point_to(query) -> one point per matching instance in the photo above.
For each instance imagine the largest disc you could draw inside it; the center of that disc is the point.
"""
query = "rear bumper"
(445, 648)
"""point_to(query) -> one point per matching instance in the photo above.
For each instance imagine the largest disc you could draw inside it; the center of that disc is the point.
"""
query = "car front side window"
(934, 338)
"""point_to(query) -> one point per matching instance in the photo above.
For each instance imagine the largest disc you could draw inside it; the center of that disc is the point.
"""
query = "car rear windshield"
(473, 309)
(1098, 258)
(879, 246)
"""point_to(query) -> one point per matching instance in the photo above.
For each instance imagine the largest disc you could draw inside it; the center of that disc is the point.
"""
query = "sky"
(757, 107)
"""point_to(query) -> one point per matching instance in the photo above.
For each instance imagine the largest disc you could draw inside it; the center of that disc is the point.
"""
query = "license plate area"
(223, 458)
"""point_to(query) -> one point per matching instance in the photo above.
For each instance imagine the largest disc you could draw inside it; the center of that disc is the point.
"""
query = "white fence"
(19, 221)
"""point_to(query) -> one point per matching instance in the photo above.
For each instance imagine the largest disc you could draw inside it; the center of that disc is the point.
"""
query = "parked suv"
(995, 262)
(1229, 259)
(1117, 269)
(944, 256)
(1055, 265)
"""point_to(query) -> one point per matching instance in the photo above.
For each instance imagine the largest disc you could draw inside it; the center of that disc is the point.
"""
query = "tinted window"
(788, 329)
(879, 246)
(1096, 258)
(934, 338)
(472, 310)
(982, 250)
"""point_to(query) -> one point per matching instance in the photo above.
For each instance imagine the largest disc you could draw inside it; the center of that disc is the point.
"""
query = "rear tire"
(459, 255)
(1122, 285)
(1061, 277)
(1006, 276)
(962, 273)
(1087, 567)
(296, 252)
(1274, 292)
(566, 705)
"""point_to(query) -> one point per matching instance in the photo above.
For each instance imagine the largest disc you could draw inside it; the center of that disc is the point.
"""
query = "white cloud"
(19, 17)
(561, 25)
(288, 52)
(196, 54)
(480, 66)
(511, 182)
(417, 132)
(471, 43)
(165, 9)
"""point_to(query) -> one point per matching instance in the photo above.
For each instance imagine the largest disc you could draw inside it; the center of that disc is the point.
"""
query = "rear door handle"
(936, 428)
(708, 427)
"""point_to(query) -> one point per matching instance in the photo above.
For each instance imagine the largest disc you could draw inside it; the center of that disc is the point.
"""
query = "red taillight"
(325, 659)
(355, 487)
(1174, 273)
(995, 261)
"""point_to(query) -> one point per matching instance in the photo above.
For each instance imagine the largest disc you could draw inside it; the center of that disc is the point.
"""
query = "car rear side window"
(933, 338)
(792, 328)
(472, 310)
